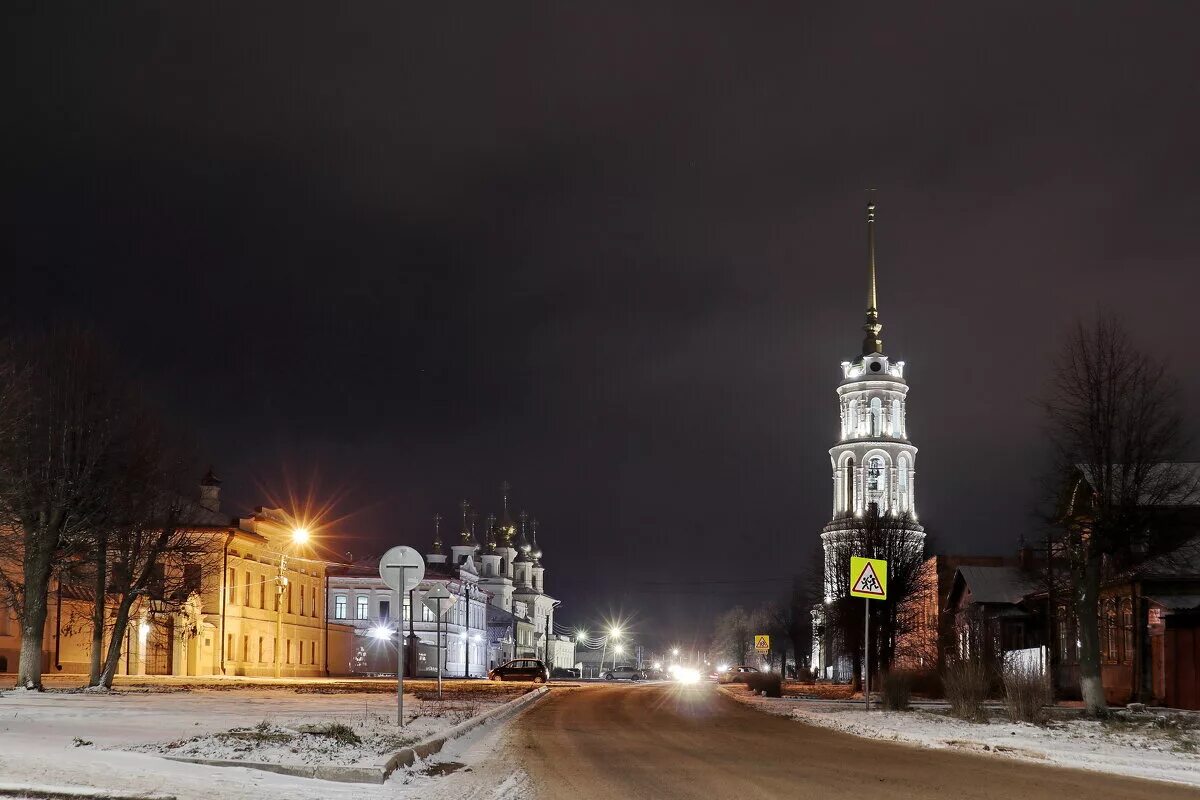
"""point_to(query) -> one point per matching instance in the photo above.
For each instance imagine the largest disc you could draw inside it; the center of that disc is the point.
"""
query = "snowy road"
(665, 741)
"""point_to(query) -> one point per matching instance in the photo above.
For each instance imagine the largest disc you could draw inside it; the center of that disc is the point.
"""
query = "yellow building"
(255, 608)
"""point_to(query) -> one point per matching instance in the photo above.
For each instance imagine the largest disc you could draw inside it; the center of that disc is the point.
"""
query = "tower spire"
(437, 534)
(871, 343)
(465, 534)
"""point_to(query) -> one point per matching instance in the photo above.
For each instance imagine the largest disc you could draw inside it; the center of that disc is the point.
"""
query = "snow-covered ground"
(111, 742)
(1139, 749)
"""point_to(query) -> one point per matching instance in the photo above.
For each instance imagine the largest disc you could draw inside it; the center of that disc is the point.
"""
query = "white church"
(873, 461)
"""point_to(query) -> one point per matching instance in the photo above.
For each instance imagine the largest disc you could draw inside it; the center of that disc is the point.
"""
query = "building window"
(848, 482)
(897, 420)
(339, 607)
(232, 586)
(876, 483)
(302, 601)
(385, 610)
(262, 593)
(1126, 619)
(407, 610)
(246, 593)
(191, 580)
(245, 648)
(261, 654)
(289, 596)
(361, 606)
(902, 477)
(876, 417)
(852, 420)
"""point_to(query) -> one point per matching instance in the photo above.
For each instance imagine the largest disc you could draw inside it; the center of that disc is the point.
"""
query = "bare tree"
(57, 467)
(899, 540)
(1115, 426)
(157, 562)
(732, 634)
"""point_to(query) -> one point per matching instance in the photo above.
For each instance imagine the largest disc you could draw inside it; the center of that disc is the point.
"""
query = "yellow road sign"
(762, 643)
(868, 578)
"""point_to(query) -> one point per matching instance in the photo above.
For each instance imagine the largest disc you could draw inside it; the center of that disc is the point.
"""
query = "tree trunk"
(101, 564)
(1091, 684)
(37, 568)
(113, 657)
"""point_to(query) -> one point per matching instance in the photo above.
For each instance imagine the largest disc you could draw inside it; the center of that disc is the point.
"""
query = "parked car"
(521, 669)
(735, 674)
(564, 673)
(623, 672)
(652, 674)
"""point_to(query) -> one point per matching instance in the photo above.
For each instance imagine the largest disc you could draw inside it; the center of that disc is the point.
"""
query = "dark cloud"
(613, 255)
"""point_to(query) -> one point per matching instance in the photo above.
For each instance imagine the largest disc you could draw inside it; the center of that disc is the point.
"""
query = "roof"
(1177, 602)
(996, 584)
(1166, 484)
(1182, 562)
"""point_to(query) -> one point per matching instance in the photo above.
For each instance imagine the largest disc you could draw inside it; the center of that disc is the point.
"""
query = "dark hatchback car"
(564, 673)
(521, 669)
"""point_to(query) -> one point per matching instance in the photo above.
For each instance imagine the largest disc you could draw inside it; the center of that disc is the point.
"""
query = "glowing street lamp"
(299, 538)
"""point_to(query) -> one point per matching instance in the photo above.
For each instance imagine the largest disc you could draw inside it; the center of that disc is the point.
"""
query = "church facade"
(873, 462)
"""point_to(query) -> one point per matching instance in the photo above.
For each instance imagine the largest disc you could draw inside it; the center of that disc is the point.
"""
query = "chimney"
(210, 491)
(1024, 555)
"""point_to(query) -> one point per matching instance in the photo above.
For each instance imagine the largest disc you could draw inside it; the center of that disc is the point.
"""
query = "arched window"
(876, 483)
(876, 417)
(897, 427)
(848, 482)
(852, 419)
(902, 482)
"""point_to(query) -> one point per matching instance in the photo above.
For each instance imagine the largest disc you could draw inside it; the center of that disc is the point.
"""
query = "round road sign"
(402, 560)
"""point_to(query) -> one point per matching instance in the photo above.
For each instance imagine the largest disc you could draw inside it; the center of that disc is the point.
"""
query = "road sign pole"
(439, 646)
(400, 651)
(867, 653)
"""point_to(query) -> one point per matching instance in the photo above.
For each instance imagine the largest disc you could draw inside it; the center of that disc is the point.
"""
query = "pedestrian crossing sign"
(868, 578)
(762, 643)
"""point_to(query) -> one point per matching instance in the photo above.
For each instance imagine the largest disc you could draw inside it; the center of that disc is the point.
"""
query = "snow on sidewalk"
(85, 740)
(1132, 751)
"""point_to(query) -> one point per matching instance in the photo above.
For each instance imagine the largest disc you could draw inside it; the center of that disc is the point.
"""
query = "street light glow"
(379, 632)
(300, 535)
(675, 651)
(615, 632)
(618, 649)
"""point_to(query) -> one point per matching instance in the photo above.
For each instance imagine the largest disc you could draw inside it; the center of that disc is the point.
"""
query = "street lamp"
(299, 536)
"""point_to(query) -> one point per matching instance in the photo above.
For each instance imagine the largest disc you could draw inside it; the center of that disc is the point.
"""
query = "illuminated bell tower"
(873, 461)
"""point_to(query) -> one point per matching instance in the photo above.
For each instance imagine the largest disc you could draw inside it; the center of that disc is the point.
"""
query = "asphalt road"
(662, 741)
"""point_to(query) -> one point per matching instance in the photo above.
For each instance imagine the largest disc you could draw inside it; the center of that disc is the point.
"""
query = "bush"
(1026, 694)
(967, 685)
(769, 682)
(896, 690)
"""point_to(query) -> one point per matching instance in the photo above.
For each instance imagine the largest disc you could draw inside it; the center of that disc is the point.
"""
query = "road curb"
(71, 793)
(423, 749)
(380, 772)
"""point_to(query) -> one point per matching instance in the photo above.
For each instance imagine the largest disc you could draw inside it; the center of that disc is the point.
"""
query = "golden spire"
(872, 343)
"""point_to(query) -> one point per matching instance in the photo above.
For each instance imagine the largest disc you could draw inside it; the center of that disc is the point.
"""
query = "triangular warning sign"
(868, 583)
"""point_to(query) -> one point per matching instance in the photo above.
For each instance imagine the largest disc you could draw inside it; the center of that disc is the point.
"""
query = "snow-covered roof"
(996, 584)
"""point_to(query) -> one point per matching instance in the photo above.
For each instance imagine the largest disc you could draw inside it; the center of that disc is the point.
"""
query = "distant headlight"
(687, 675)
(380, 632)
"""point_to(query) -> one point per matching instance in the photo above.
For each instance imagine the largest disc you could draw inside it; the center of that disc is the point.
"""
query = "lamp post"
(299, 537)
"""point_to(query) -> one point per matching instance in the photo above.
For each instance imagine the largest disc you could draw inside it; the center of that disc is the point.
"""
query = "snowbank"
(1139, 750)
(113, 742)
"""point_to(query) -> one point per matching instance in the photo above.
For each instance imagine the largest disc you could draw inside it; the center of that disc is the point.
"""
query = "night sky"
(393, 256)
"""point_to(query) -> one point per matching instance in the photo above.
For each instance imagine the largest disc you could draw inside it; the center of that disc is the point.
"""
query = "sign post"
(868, 580)
(434, 599)
(394, 569)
